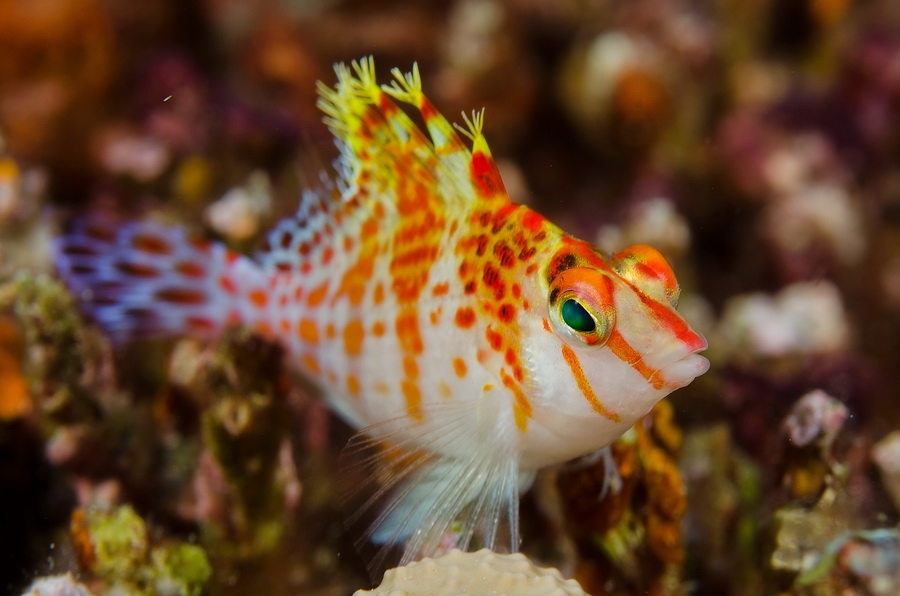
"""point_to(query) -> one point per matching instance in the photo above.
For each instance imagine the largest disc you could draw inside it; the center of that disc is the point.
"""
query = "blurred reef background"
(756, 143)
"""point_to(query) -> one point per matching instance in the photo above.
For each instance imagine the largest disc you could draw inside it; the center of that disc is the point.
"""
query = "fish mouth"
(680, 373)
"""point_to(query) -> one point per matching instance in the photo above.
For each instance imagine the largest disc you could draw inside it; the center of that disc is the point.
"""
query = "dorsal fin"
(388, 168)
(376, 136)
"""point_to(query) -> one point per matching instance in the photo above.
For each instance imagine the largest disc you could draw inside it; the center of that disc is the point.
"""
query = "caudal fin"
(143, 279)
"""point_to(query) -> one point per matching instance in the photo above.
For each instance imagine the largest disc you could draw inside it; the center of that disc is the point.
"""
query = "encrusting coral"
(479, 573)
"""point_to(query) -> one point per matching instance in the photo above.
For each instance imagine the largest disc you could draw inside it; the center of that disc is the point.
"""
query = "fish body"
(470, 339)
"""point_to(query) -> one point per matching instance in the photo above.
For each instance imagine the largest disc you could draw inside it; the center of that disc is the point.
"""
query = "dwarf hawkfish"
(472, 341)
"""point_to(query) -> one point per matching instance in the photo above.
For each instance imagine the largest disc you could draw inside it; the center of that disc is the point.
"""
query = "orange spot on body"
(407, 328)
(308, 331)
(368, 229)
(311, 364)
(584, 386)
(410, 368)
(317, 296)
(378, 294)
(352, 385)
(459, 365)
(327, 255)
(445, 390)
(259, 298)
(521, 407)
(413, 399)
(353, 337)
(441, 289)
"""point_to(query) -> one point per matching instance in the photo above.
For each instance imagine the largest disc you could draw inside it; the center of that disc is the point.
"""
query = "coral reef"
(482, 572)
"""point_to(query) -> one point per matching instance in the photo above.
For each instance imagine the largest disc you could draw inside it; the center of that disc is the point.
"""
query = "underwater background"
(756, 143)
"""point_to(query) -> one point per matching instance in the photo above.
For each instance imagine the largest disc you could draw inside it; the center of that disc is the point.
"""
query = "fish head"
(610, 346)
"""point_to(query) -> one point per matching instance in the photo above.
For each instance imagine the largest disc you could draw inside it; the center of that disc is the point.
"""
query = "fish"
(471, 341)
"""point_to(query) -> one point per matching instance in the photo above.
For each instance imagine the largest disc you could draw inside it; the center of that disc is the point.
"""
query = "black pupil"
(577, 317)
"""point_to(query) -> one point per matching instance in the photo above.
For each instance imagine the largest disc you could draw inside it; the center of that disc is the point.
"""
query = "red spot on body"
(200, 324)
(494, 339)
(533, 221)
(151, 244)
(510, 356)
(504, 254)
(228, 285)
(188, 269)
(506, 313)
(465, 317)
(135, 270)
(180, 295)
(485, 175)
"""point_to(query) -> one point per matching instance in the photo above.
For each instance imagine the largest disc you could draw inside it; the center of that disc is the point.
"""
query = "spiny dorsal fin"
(377, 137)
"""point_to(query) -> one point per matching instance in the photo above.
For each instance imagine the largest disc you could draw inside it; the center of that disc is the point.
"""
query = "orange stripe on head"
(585, 387)
(626, 353)
(672, 321)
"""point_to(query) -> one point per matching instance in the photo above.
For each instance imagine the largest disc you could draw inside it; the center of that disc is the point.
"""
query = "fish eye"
(581, 307)
(576, 316)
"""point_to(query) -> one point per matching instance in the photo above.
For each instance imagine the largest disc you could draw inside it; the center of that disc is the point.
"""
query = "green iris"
(577, 317)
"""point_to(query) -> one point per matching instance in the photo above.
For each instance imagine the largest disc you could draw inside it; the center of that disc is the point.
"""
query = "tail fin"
(143, 279)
